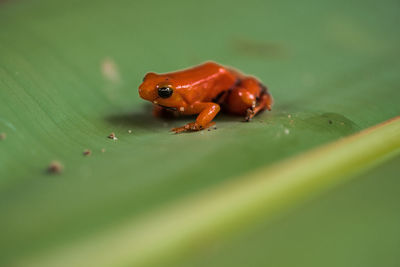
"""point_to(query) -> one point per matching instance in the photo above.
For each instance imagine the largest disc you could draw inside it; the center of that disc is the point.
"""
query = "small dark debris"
(3, 136)
(55, 167)
(112, 136)
(215, 127)
(87, 152)
(330, 121)
(208, 129)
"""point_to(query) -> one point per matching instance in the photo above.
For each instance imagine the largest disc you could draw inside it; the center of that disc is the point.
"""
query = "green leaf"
(69, 72)
(197, 219)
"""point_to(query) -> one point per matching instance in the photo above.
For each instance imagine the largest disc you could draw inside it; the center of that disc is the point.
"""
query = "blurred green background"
(69, 72)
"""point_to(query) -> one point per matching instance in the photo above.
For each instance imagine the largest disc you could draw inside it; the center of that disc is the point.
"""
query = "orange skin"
(203, 90)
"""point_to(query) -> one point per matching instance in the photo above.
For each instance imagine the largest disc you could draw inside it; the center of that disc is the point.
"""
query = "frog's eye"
(165, 92)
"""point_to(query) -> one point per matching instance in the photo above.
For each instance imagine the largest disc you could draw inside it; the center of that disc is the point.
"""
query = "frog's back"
(197, 74)
(203, 82)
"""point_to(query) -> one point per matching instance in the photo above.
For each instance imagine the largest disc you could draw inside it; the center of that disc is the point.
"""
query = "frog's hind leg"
(248, 98)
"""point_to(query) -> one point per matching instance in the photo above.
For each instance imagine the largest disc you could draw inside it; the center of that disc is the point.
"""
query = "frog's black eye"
(165, 92)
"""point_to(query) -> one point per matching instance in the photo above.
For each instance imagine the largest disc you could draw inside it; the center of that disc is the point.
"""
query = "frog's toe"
(185, 128)
(179, 129)
(191, 127)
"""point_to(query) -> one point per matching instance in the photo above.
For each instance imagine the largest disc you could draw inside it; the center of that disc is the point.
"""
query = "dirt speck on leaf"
(110, 70)
(87, 152)
(55, 167)
(112, 136)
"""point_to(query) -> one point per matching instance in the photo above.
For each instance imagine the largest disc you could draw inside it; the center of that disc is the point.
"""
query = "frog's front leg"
(207, 112)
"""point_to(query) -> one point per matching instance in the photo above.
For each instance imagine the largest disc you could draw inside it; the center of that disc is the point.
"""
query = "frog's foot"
(191, 127)
(264, 103)
(250, 113)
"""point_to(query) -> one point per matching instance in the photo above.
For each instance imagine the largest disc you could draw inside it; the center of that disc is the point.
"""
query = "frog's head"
(161, 89)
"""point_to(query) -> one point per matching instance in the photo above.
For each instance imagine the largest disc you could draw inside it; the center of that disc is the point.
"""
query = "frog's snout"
(147, 94)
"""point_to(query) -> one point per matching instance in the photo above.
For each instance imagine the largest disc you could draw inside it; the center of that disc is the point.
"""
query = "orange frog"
(203, 90)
